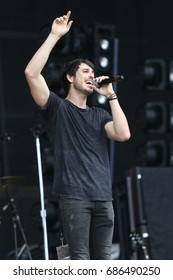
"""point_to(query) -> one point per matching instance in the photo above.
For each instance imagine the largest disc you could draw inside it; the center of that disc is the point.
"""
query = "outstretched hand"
(61, 25)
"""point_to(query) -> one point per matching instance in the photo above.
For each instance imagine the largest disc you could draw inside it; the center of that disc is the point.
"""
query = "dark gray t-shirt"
(81, 163)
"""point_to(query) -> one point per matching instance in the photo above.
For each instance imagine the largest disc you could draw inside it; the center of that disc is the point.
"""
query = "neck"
(79, 101)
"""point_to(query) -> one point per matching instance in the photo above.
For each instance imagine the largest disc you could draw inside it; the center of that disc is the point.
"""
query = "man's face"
(83, 79)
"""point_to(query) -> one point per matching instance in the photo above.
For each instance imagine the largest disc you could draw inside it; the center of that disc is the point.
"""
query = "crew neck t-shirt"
(78, 139)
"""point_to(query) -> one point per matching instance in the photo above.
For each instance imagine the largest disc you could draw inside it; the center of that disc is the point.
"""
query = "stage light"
(97, 100)
(104, 44)
(101, 99)
(155, 117)
(104, 62)
(153, 74)
(152, 117)
(104, 35)
(156, 153)
(153, 153)
(103, 58)
(171, 74)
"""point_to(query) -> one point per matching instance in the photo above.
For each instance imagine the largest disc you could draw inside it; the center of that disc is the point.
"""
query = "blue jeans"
(88, 228)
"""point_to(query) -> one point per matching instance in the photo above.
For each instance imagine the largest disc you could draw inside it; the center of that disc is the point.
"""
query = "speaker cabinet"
(150, 201)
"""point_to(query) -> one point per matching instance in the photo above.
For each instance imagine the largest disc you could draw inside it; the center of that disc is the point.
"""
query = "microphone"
(112, 79)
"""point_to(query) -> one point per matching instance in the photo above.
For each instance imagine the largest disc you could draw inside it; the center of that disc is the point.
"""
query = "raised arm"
(37, 84)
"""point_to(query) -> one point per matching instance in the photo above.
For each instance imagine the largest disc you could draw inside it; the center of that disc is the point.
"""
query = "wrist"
(113, 96)
(53, 36)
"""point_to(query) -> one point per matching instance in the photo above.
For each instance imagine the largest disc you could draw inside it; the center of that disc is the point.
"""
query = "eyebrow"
(86, 69)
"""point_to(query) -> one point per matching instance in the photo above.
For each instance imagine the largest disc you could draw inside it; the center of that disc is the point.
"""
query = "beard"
(80, 89)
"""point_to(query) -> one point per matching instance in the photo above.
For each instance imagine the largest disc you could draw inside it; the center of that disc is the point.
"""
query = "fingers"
(100, 78)
(68, 14)
(64, 17)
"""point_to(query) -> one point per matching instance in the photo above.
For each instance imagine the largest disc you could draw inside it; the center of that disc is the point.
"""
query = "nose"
(91, 76)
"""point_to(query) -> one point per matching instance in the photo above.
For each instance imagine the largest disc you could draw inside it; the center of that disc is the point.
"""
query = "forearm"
(38, 61)
(120, 123)
(60, 27)
(38, 86)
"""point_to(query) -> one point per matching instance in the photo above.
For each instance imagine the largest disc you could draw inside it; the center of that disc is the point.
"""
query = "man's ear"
(69, 78)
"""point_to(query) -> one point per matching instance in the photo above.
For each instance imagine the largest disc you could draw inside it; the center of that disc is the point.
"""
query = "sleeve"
(106, 117)
(48, 115)
(51, 106)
